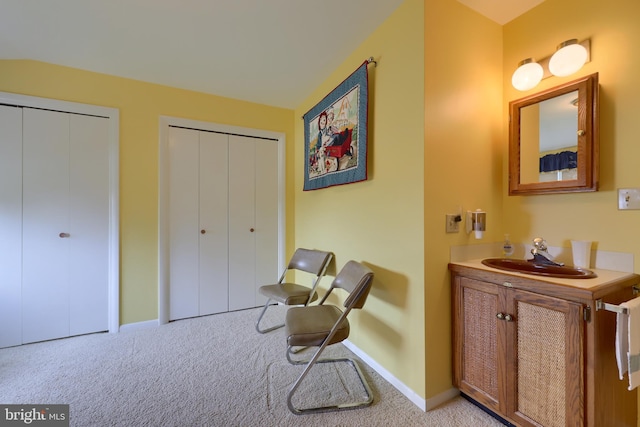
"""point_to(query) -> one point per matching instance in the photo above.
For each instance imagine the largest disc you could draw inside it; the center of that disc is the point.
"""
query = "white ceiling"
(501, 11)
(272, 52)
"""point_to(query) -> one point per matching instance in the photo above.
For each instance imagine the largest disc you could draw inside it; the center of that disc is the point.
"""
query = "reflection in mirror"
(553, 140)
(548, 139)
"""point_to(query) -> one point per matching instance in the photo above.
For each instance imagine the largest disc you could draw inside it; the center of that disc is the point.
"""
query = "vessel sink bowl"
(537, 269)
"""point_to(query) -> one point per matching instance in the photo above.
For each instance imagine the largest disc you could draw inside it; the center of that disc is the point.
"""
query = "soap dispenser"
(477, 222)
(507, 247)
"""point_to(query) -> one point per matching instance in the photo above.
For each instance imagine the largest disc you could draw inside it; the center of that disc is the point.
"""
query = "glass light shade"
(568, 59)
(528, 75)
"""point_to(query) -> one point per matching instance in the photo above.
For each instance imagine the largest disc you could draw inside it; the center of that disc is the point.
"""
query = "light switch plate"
(628, 198)
(453, 226)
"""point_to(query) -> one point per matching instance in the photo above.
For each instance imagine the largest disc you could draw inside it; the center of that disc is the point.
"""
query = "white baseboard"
(402, 388)
(438, 400)
(425, 405)
(147, 324)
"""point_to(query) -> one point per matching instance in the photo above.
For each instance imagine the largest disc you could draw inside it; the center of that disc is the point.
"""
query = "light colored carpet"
(207, 371)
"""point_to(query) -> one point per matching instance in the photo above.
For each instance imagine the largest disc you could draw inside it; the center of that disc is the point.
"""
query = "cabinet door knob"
(508, 318)
(500, 316)
(251, 230)
(64, 235)
(203, 231)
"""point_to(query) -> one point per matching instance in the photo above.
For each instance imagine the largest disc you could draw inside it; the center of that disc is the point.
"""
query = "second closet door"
(253, 224)
(198, 223)
(242, 232)
(223, 221)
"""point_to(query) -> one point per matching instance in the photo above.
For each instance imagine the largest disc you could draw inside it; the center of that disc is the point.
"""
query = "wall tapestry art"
(335, 135)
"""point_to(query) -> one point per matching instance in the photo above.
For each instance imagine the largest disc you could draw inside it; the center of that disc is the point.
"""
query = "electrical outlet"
(629, 198)
(453, 226)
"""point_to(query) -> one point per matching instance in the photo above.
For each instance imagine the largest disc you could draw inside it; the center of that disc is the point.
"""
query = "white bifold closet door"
(10, 226)
(198, 209)
(62, 212)
(253, 224)
(223, 221)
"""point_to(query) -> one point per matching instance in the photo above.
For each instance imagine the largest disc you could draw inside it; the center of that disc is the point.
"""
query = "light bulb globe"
(568, 59)
(527, 76)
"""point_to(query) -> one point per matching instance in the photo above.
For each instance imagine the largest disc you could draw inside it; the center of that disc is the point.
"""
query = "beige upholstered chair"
(322, 325)
(308, 260)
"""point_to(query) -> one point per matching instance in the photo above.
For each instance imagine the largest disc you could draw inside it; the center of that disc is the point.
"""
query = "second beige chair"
(307, 260)
(322, 325)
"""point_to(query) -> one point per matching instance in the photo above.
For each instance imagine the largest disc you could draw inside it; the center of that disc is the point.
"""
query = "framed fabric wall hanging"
(335, 134)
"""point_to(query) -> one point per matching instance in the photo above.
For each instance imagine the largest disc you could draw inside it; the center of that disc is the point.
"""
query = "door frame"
(163, 195)
(113, 116)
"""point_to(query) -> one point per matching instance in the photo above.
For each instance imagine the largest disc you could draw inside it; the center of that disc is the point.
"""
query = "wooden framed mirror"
(554, 140)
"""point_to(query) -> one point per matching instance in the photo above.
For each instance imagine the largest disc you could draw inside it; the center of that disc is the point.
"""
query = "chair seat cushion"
(309, 326)
(288, 293)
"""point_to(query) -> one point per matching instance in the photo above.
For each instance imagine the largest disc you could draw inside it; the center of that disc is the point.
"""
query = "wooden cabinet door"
(545, 361)
(479, 347)
(519, 353)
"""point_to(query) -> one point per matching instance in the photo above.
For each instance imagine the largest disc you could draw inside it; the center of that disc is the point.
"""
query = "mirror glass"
(553, 143)
(549, 139)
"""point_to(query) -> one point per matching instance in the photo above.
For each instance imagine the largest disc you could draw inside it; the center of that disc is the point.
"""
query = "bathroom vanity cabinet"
(536, 351)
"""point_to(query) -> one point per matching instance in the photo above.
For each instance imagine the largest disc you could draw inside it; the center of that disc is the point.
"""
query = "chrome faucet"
(540, 254)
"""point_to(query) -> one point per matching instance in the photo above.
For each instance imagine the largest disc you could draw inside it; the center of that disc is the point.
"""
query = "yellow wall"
(463, 155)
(380, 221)
(615, 35)
(438, 140)
(140, 106)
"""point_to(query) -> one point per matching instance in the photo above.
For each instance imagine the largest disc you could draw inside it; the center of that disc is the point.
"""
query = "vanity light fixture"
(528, 75)
(569, 57)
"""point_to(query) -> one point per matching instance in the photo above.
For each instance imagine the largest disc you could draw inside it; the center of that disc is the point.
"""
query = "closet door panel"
(184, 228)
(232, 182)
(89, 224)
(266, 215)
(242, 255)
(10, 226)
(45, 273)
(214, 242)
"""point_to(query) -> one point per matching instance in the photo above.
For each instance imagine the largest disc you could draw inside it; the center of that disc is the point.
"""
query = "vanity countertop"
(605, 277)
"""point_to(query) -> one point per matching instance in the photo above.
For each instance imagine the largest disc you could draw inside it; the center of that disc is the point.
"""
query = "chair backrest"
(356, 279)
(310, 260)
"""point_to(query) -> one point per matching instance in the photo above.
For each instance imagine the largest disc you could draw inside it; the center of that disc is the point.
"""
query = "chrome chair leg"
(291, 351)
(272, 328)
(339, 407)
